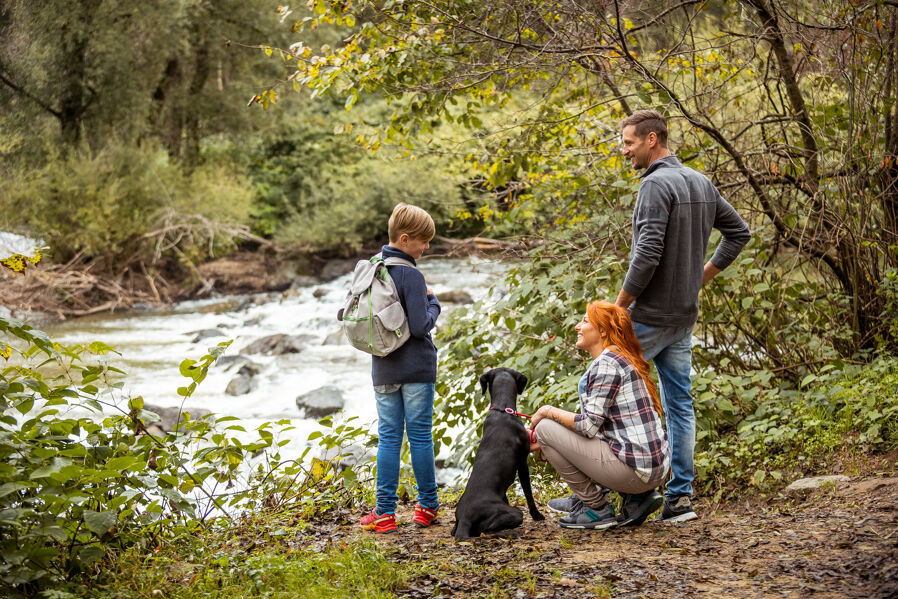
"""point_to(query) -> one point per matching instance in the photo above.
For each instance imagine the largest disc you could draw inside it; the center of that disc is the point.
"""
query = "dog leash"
(529, 433)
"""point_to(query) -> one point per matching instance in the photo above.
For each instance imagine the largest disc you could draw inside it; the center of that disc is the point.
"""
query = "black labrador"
(483, 508)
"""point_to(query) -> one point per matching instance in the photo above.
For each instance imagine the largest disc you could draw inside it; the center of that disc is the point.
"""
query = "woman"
(617, 440)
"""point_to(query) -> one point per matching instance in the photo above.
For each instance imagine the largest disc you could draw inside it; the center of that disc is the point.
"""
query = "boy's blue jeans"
(409, 407)
(670, 348)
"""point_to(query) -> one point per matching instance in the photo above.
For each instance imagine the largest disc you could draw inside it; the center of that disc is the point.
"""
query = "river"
(153, 342)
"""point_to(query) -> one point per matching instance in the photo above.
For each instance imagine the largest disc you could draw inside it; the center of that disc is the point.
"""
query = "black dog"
(483, 508)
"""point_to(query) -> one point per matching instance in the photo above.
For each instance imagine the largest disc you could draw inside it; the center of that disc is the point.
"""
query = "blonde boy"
(404, 380)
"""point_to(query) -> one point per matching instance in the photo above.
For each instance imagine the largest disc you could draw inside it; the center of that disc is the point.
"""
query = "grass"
(351, 570)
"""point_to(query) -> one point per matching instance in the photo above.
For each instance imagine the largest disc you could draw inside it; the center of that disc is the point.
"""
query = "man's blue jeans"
(670, 348)
(410, 407)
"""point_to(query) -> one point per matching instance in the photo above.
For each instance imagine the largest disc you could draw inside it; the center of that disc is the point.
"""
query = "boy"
(404, 380)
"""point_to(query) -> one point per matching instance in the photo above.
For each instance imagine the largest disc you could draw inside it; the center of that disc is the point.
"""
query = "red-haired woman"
(617, 440)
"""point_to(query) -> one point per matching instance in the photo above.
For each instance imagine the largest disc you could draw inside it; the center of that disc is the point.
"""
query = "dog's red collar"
(510, 411)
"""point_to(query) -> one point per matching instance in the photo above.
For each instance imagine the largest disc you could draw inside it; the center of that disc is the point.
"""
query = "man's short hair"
(647, 121)
(410, 220)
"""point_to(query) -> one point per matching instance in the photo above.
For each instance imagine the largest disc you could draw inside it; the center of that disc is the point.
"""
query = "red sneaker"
(424, 516)
(379, 522)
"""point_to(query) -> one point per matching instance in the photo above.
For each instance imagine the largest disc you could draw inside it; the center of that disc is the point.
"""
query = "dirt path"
(841, 541)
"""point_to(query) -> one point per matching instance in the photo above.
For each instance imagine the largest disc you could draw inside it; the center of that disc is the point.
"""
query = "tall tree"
(792, 107)
(164, 70)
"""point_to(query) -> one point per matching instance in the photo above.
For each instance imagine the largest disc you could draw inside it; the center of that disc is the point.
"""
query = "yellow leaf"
(6, 352)
(16, 263)
(319, 469)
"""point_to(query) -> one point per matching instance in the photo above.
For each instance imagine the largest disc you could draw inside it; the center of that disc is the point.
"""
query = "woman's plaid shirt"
(616, 405)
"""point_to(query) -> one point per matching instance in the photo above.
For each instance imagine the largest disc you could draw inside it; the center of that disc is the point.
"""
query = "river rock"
(456, 296)
(169, 417)
(320, 402)
(243, 383)
(319, 293)
(253, 322)
(337, 268)
(205, 334)
(335, 338)
(815, 482)
(254, 300)
(301, 281)
(275, 345)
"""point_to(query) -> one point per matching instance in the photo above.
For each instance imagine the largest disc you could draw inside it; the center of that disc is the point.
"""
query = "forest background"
(139, 140)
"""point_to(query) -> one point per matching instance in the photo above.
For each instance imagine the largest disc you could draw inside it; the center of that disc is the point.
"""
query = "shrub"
(116, 206)
(81, 478)
(318, 191)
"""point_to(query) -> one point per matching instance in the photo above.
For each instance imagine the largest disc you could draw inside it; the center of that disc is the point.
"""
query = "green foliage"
(272, 555)
(799, 432)
(317, 189)
(81, 477)
(748, 330)
(540, 124)
(126, 204)
(174, 72)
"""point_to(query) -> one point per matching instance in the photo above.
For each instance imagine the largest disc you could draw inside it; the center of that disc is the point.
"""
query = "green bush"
(796, 432)
(82, 479)
(127, 203)
(316, 190)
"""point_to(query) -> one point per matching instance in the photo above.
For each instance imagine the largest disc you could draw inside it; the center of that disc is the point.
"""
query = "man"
(676, 208)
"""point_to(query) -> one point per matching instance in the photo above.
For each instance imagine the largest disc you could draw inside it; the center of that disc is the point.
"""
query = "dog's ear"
(485, 381)
(521, 380)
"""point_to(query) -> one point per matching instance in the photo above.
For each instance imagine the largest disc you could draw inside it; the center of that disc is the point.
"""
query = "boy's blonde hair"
(411, 220)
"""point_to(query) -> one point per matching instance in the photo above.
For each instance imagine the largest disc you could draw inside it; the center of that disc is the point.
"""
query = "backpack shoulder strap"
(396, 261)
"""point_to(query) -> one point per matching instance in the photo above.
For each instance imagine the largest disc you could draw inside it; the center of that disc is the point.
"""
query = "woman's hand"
(539, 415)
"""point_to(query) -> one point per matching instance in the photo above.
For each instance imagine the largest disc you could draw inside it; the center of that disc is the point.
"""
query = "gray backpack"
(372, 316)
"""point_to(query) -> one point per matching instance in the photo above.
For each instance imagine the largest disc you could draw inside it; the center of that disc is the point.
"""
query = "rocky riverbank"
(56, 292)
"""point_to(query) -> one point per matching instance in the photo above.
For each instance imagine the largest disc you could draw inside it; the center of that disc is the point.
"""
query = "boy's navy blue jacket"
(416, 360)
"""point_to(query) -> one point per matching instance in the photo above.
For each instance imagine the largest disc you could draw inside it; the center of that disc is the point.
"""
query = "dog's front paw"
(537, 516)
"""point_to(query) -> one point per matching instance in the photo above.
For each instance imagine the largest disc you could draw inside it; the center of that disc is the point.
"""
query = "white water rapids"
(153, 344)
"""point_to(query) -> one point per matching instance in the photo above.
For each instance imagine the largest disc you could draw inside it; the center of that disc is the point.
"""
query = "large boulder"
(170, 417)
(244, 381)
(336, 268)
(321, 402)
(456, 296)
(275, 345)
(816, 482)
(301, 281)
(335, 338)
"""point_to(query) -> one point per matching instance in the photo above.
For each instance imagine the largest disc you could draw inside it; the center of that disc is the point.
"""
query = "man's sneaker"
(679, 510)
(424, 516)
(379, 522)
(595, 519)
(564, 505)
(636, 508)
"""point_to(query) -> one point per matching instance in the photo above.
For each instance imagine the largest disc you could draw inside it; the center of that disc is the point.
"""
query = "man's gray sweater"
(675, 211)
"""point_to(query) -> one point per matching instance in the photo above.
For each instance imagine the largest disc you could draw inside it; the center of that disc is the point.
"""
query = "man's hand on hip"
(624, 299)
(710, 272)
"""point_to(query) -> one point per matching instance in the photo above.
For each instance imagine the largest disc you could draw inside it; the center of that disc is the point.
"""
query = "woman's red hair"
(614, 323)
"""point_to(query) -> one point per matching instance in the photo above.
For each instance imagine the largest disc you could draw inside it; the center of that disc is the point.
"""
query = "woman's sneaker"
(594, 519)
(424, 516)
(679, 510)
(379, 522)
(564, 505)
(636, 508)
